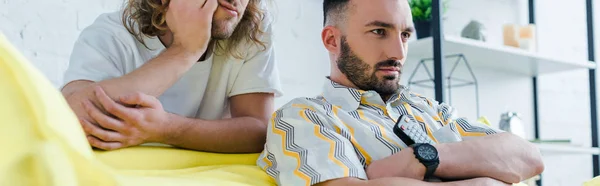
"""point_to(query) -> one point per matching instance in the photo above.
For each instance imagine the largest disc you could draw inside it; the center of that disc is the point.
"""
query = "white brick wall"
(297, 41)
(45, 30)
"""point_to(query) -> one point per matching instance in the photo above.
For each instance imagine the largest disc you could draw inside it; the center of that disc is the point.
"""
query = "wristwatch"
(427, 154)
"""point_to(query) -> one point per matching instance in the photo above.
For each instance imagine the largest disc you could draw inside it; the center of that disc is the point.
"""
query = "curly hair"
(148, 17)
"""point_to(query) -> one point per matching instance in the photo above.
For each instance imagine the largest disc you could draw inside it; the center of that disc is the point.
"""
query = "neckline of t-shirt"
(153, 43)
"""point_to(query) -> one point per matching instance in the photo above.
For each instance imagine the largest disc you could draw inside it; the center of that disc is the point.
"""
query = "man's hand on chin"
(137, 118)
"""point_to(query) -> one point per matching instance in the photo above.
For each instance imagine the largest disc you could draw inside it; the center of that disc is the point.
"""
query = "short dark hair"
(332, 8)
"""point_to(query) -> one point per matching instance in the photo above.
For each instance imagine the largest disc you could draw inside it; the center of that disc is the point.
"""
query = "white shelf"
(567, 149)
(504, 58)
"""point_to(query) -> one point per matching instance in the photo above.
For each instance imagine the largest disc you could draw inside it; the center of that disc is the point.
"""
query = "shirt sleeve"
(96, 56)
(302, 150)
(462, 126)
(259, 73)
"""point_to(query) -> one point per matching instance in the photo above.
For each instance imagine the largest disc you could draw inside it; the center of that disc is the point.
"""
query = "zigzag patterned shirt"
(338, 134)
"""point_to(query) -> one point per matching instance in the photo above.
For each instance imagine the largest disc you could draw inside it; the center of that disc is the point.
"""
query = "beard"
(363, 76)
(223, 29)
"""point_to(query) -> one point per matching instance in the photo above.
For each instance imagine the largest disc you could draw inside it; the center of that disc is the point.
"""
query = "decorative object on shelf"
(474, 30)
(450, 79)
(511, 122)
(520, 36)
(421, 12)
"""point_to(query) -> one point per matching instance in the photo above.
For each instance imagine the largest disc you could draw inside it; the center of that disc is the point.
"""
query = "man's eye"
(380, 32)
(405, 35)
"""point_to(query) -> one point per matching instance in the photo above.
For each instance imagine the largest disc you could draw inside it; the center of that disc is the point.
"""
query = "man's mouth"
(228, 7)
(389, 69)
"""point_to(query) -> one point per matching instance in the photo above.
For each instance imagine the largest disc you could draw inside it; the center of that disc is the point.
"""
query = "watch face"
(428, 152)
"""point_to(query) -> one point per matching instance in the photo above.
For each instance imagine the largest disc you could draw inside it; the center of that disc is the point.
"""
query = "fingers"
(102, 119)
(141, 99)
(112, 107)
(210, 5)
(102, 134)
(95, 142)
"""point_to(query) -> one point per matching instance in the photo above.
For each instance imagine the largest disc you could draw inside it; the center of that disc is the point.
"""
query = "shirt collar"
(347, 98)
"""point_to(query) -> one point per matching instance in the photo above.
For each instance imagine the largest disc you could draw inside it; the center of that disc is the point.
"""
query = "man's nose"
(396, 50)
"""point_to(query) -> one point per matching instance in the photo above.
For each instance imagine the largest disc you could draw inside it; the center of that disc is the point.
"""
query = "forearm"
(152, 78)
(503, 156)
(235, 135)
(400, 181)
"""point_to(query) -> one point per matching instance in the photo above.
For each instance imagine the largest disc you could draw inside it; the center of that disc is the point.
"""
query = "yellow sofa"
(43, 144)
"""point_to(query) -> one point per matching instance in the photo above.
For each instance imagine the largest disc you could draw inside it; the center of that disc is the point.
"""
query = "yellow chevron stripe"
(408, 109)
(361, 114)
(303, 106)
(368, 158)
(437, 118)
(447, 121)
(429, 102)
(430, 134)
(419, 119)
(462, 131)
(385, 111)
(289, 153)
(397, 98)
(267, 162)
(331, 145)
(337, 129)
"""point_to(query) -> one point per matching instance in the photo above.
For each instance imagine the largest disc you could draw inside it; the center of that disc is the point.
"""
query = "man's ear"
(331, 37)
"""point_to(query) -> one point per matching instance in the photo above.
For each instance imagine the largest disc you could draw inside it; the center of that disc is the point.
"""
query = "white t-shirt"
(106, 50)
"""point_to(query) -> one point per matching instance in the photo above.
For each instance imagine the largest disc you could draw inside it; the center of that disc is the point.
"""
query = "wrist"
(416, 165)
(166, 130)
(443, 151)
(417, 169)
(188, 54)
(472, 182)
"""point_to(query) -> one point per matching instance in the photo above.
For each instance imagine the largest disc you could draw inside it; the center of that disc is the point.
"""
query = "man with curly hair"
(194, 74)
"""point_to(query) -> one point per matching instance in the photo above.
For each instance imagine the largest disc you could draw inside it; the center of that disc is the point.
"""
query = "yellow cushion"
(212, 175)
(166, 158)
(151, 164)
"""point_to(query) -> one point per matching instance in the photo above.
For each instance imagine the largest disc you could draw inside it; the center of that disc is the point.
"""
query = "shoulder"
(407, 93)
(305, 112)
(417, 99)
(106, 28)
(249, 48)
(317, 105)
